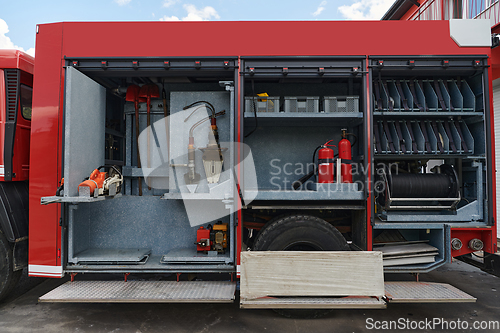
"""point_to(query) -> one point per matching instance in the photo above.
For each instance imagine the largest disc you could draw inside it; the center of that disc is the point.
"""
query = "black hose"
(211, 107)
(298, 183)
(355, 139)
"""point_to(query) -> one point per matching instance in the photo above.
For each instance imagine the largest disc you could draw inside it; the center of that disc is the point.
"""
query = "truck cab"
(16, 90)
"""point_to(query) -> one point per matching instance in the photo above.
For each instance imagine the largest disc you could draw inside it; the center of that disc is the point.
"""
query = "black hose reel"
(438, 190)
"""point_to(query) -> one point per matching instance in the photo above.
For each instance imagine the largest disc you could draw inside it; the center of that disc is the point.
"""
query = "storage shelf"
(330, 192)
(427, 114)
(303, 118)
(301, 115)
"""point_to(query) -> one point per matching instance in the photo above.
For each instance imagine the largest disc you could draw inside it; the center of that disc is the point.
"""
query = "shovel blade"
(149, 90)
(132, 93)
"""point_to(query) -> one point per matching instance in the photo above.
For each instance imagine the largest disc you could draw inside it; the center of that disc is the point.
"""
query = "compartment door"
(84, 126)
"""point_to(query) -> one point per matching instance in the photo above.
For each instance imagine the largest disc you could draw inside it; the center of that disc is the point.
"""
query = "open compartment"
(412, 250)
(153, 147)
(284, 144)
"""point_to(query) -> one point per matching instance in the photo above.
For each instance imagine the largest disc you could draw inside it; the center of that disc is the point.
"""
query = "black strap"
(450, 136)
(377, 95)
(440, 96)
(402, 142)
(390, 103)
(438, 138)
(459, 130)
(403, 97)
(377, 138)
(415, 99)
(426, 138)
(389, 137)
(421, 85)
(413, 143)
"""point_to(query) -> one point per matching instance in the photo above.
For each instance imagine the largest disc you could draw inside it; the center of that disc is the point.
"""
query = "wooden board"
(290, 273)
(409, 261)
(389, 250)
(411, 255)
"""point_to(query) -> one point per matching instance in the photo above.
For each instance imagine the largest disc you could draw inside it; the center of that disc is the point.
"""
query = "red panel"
(314, 38)
(492, 244)
(369, 203)
(43, 232)
(238, 139)
(495, 62)
(2, 117)
(466, 234)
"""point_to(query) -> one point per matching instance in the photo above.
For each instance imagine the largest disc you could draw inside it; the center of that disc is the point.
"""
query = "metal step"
(424, 292)
(142, 292)
(314, 303)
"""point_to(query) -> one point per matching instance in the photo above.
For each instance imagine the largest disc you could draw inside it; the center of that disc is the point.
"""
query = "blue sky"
(18, 19)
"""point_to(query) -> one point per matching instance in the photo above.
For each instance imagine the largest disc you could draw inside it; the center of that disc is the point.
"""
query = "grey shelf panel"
(427, 114)
(342, 192)
(304, 115)
(304, 118)
(57, 199)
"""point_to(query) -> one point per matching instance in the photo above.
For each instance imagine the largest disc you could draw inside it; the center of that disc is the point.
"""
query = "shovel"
(133, 96)
(166, 114)
(149, 91)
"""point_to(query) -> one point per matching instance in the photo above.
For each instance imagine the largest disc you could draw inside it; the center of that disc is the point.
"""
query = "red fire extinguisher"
(345, 154)
(325, 163)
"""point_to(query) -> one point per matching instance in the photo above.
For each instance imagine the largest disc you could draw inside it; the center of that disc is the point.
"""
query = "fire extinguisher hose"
(298, 183)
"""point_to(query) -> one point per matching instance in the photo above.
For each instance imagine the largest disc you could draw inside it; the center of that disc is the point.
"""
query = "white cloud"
(6, 43)
(366, 9)
(321, 7)
(169, 18)
(168, 3)
(193, 14)
(122, 2)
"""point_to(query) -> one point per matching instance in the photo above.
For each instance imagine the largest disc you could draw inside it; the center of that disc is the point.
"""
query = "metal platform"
(142, 292)
(314, 303)
(424, 292)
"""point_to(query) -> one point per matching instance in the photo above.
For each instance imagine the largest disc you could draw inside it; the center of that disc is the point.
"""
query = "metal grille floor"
(424, 292)
(142, 292)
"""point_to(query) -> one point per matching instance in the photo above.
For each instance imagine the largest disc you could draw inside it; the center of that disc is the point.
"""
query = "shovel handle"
(148, 133)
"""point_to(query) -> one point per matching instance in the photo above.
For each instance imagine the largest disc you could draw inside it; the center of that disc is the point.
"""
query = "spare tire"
(299, 233)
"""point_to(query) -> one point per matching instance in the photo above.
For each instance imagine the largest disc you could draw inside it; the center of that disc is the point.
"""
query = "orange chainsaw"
(99, 183)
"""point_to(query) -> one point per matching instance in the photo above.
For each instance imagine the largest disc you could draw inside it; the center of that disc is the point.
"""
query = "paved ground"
(25, 314)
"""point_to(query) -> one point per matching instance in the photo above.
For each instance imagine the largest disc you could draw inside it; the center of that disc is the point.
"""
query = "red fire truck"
(306, 165)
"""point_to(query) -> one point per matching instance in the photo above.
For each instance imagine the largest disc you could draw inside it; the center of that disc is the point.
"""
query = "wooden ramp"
(313, 280)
